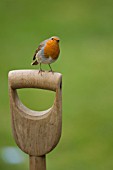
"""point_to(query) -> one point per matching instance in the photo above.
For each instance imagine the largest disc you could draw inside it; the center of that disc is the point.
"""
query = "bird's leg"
(50, 68)
(40, 70)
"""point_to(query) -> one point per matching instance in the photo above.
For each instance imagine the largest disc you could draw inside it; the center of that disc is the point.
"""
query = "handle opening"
(36, 99)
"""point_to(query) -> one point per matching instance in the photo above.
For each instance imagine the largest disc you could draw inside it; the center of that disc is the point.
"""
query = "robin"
(47, 52)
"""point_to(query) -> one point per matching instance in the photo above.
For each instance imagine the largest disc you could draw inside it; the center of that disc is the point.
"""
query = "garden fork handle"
(36, 133)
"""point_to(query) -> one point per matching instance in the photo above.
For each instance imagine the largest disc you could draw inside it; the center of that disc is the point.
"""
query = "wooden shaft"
(34, 79)
(37, 163)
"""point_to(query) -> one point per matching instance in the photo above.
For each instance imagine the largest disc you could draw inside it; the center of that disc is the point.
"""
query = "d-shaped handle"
(36, 133)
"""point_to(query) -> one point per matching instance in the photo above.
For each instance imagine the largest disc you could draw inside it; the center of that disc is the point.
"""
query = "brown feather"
(39, 48)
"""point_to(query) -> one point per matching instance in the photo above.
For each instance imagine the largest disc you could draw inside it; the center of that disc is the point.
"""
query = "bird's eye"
(52, 38)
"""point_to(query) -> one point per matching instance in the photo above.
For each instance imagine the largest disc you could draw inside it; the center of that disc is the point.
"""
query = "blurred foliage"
(86, 61)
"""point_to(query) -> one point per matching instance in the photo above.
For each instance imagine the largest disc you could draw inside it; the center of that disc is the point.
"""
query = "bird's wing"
(39, 48)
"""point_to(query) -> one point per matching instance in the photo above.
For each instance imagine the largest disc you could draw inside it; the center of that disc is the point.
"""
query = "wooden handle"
(33, 79)
(37, 163)
(36, 133)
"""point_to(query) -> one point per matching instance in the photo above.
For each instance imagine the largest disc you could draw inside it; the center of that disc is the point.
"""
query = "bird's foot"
(40, 71)
(51, 71)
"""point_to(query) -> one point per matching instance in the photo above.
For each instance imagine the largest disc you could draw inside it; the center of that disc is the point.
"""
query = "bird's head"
(54, 38)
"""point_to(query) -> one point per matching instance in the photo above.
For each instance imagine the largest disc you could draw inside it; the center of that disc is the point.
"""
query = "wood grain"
(37, 163)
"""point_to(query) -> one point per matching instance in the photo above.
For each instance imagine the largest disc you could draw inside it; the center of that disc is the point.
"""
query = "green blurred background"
(85, 28)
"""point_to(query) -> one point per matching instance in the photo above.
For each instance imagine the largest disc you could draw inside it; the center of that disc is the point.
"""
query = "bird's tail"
(35, 62)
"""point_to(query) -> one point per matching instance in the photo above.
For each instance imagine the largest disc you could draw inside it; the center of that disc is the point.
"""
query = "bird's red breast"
(52, 49)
